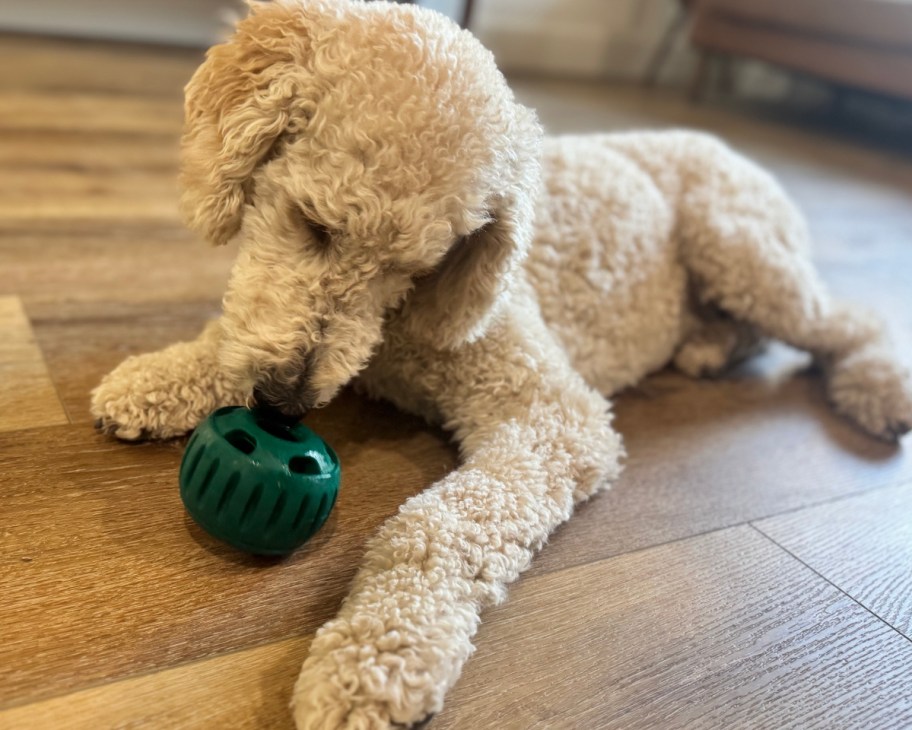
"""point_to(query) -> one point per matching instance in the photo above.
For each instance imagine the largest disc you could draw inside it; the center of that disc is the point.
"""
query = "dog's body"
(465, 270)
(684, 258)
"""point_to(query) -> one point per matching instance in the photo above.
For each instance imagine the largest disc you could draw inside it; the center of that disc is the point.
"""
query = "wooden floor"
(750, 570)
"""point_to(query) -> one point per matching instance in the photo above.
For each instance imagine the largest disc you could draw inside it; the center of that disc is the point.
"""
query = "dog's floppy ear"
(458, 300)
(456, 303)
(237, 106)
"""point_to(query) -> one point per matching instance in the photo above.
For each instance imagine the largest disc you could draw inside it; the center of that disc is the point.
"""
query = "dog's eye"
(320, 235)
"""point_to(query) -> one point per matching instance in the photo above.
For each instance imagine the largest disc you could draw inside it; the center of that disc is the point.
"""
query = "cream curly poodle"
(402, 220)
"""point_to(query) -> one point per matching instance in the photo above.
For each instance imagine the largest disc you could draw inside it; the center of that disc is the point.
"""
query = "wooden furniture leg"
(468, 7)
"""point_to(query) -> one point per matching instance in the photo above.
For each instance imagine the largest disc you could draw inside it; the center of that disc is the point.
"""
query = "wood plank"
(724, 630)
(69, 266)
(82, 195)
(66, 173)
(88, 151)
(29, 111)
(245, 689)
(103, 575)
(67, 65)
(862, 544)
(78, 184)
(595, 646)
(27, 395)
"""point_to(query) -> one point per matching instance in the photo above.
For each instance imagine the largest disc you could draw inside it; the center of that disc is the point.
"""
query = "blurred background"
(817, 91)
(832, 56)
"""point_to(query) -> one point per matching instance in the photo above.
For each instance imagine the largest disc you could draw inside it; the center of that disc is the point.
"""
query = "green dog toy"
(259, 484)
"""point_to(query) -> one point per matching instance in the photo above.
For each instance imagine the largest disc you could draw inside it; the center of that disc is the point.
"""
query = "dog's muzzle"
(287, 398)
(278, 409)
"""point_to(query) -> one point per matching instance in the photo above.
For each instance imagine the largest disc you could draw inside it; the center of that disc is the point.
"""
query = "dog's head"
(369, 157)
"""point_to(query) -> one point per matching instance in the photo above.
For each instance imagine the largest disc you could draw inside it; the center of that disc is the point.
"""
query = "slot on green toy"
(261, 485)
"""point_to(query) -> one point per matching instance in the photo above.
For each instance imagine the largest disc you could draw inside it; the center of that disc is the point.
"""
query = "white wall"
(590, 38)
(607, 38)
(580, 37)
(184, 22)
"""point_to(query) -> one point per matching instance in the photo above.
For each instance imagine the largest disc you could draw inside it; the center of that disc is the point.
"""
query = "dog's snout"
(280, 413)
(287, 396)
(281, 405)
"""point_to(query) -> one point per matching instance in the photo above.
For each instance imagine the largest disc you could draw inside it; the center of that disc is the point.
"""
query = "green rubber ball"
(260, 485)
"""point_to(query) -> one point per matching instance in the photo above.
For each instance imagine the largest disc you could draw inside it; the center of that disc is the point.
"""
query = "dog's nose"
(286, 392)
(277, 406)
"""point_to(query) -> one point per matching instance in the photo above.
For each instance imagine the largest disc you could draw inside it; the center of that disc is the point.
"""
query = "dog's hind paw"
(874, 390)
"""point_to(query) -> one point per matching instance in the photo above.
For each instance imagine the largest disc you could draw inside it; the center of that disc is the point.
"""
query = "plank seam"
(14, 704)
(44, 362)
(823, 577)
(903, 482)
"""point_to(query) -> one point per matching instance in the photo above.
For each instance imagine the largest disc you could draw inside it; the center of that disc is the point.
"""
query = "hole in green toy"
(276, 429)
(304, 465)
(241, 440)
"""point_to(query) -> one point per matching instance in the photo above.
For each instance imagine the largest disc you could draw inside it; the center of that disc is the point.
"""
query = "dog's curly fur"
(401, 219)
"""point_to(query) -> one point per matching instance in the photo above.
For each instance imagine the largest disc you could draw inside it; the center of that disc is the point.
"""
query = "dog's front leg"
(167, 393)
(402, 636)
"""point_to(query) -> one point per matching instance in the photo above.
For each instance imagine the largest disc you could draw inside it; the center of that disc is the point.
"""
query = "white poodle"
(402, 220)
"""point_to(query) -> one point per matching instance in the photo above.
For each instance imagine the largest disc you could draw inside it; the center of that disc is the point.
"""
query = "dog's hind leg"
(716, 344)
(746, 248)
(164, 394)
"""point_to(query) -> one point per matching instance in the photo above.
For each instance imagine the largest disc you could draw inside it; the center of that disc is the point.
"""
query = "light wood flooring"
(751, 569)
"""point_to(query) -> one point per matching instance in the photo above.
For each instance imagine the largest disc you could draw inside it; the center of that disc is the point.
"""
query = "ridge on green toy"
(260, 484)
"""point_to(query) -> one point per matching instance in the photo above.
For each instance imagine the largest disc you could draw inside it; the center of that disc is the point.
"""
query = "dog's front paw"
(330, 696)
(162, 394)
(322, 703)
(364, 680)
(142, 399)
(388, 660)
(874, 390)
